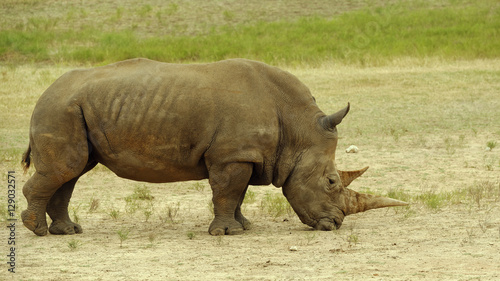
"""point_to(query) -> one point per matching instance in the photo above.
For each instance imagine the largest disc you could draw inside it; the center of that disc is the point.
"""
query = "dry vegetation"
(423, 125)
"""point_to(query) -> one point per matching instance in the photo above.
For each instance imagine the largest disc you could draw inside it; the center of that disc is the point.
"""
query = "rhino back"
(162, 122)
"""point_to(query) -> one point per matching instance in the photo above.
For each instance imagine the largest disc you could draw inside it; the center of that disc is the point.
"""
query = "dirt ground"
(423, 129)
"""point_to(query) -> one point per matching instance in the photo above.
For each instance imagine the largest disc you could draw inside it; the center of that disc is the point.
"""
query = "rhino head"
(317, 191)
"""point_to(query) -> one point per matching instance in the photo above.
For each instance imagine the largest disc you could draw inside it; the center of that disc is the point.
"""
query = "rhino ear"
(330, 121)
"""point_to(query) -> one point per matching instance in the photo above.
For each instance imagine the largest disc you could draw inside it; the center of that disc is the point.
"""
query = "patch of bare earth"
(421, 127)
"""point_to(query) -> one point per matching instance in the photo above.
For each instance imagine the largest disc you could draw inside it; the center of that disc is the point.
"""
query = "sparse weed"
(123, 235)
(310, 236)
(484, 190)
(114, 214)
(170, 214)
(148, 210)
(432, 200)
(250, 197)
(151, 239)
(483, 225)
(470, 235)
(191, 235)
(352, 238)
(148, 214)
(74, 244)
(450, 146)
(399, 194)
(491, 144)
(476, 194)
(275, 205)
(436, 200)
(131, 205)
(198, 186)
(402, 195)
(135, 201)
(76, 217)
(94, 204)
(396, 134)
(141, 193)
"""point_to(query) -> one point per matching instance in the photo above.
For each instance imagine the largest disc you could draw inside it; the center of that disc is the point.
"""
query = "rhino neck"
(293, 141)
(283, 167)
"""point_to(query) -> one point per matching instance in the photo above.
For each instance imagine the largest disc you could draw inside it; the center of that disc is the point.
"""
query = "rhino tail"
(26, 161)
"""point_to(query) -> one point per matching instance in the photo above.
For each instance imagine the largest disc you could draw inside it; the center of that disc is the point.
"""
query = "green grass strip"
(361, 37)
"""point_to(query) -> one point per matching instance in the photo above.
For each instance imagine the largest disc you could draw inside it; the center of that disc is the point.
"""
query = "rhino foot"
(30, 221)
(244, 222)
(63, 227)
(222, 228)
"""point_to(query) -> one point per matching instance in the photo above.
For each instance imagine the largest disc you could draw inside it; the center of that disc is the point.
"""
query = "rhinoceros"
(236, 122)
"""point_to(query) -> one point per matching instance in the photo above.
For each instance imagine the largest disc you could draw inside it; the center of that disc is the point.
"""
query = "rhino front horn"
(360, 202)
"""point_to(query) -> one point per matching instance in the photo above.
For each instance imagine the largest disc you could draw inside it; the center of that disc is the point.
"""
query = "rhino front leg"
(239, 216)
(228, 183)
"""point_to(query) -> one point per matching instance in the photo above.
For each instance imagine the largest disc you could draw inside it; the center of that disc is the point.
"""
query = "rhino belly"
(151, 169)
(148, 157)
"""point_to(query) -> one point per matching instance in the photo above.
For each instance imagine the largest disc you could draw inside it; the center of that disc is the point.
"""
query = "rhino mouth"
(325, 222)
(328, 224)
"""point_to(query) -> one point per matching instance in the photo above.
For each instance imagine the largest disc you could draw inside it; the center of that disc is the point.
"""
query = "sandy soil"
(458, 240)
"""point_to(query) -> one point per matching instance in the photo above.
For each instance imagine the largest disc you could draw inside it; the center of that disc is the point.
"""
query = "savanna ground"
(427, 125)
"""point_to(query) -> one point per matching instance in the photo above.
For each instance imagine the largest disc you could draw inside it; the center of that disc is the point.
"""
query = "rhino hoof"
(233, 229)
(65, 228)
(29, 220)
(227, 231)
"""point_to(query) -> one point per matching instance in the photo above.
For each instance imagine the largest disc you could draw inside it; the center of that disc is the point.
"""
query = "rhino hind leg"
(57, 208)
(59, 154)
(228, 185)
(34, 216)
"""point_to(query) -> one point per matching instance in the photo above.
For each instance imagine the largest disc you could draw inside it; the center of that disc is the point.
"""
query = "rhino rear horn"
(348, 176)
(330, 121)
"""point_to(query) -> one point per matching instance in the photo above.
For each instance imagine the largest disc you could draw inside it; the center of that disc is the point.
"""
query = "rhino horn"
(348, 176)
(359, 202)
(330, 121)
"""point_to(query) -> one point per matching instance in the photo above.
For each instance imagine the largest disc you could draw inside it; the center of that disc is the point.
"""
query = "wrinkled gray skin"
(236, 122)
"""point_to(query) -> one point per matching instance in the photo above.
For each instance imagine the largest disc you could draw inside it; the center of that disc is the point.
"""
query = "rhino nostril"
(338, 223)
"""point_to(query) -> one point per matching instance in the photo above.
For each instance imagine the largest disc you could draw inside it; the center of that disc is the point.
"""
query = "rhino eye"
(331, 181)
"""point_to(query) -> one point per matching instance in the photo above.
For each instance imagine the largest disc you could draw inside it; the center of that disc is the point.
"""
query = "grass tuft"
(74, 244)
(275, 205)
